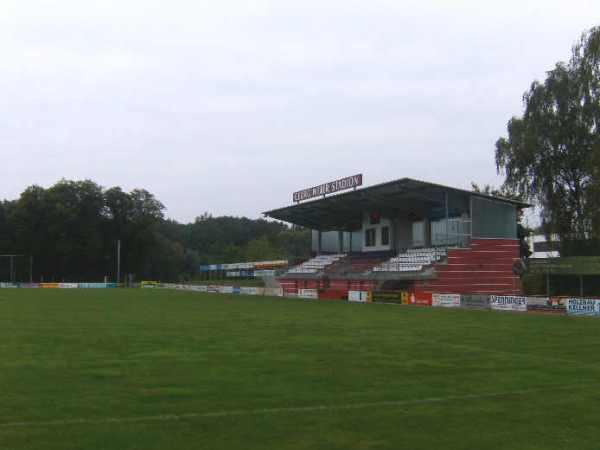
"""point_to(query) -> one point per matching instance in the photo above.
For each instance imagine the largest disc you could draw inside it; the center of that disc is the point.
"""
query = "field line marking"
(281, 410)
(510, 353)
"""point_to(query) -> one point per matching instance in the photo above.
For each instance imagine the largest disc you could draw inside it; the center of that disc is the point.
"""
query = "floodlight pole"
(118, 261)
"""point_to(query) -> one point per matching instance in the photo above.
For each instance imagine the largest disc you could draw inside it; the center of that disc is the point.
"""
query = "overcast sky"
(229, 107)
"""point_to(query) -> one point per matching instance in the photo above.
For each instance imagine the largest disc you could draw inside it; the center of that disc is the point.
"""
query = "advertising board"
(251, 290)
(359, 296)
(308, 293)
(421, 299)
(583, 306)
(196, 288)
(387, 296)
(445, 300)
(508, 303)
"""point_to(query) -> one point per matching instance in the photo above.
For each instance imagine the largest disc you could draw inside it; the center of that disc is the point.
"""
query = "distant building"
(540, 247)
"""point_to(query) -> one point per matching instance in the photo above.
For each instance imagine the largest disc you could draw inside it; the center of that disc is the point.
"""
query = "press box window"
(385, 236)
(370, 237)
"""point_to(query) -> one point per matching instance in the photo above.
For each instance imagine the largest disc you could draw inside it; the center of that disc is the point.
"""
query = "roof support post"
(447, 216)
(319, 241)
(341, 241)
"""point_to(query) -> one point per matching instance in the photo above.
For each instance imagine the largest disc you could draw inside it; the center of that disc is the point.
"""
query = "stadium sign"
(329, 188)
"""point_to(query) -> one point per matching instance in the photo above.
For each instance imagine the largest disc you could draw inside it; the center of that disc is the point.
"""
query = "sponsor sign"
(508, 303)
(538, 301)
(329, 188)
(226, 289)
(421, 299)
(67, 285)
(359, 296)
(249, 290)
(8, 285)
(387, 296)
(476, 301)
(49, 285)
(308, 293)
(446, 300)
(583, 307)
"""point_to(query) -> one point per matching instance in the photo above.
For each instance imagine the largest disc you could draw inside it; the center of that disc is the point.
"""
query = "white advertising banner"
(508, 303)
(68, 285)
(445, 300)
(249, 290)
(583, 307)
(308, 293)
(226, 289)
(358, 296)
(197, 288)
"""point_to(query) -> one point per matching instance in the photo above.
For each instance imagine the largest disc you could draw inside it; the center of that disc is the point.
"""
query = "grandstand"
(412, 235)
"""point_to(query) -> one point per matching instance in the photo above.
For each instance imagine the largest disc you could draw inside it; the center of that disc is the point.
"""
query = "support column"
(319, 241)
(581, 285)
(447, 216)
(341, 241)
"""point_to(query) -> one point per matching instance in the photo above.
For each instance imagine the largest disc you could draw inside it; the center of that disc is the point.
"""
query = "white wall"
(382, 223)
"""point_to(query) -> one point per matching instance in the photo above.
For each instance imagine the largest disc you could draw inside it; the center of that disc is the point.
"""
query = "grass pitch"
(153, 369)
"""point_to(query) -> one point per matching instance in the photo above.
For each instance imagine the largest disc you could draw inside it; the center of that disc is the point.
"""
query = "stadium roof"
(403, 197)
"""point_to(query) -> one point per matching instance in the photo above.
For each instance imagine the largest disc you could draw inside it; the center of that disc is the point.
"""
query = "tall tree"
(549, 154)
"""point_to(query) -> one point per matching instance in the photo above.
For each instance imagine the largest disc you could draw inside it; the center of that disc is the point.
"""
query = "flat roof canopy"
(404, 197)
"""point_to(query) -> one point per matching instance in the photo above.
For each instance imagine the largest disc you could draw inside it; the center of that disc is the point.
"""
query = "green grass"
(295, 374)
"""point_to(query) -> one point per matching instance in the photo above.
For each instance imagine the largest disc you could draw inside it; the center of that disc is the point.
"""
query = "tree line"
(71, 230)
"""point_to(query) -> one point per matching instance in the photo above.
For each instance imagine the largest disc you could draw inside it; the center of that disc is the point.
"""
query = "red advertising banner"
(421, 298)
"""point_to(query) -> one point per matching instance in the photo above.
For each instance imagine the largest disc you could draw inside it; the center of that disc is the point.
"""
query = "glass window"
(385, 236)
(370, 237)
